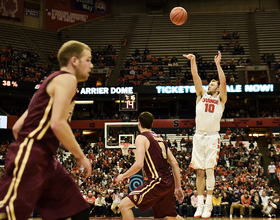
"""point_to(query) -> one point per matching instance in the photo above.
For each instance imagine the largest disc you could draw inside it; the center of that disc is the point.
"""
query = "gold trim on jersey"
(138, 191)
(8, 212)
(147, 162)
(21, 170)
(43, 120)
(142, 196)
(3, 215)
(19, 153)
(12, 191)
(44, 130)
(152, 163)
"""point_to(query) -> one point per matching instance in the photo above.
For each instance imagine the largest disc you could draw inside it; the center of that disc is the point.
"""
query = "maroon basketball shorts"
(35, 179)
(157, 194)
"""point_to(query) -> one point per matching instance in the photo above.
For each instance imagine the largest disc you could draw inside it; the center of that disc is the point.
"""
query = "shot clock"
(128, 102)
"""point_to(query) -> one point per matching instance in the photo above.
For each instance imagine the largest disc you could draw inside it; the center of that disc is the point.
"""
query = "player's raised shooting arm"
(222, 78)
(196, 78)
(18, 125)
(62, 89)
(141, 143)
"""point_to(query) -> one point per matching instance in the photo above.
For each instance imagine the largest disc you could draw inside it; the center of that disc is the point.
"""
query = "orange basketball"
(178, 15)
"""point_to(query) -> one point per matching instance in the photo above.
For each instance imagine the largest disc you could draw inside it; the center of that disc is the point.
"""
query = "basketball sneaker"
(207, 211)
(199, 211)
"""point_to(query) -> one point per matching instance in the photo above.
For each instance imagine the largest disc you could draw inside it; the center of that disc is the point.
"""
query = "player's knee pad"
(83, 215)
(210, 179)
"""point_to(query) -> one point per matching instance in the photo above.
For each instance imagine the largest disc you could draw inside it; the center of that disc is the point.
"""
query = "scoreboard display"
(9, 83)
(128, 102)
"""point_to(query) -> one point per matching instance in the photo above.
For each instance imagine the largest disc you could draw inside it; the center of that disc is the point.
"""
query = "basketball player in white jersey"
(206, 141)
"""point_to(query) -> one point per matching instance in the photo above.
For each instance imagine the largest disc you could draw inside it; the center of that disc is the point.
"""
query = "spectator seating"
(201, 34)
(97, 33)
(94, 33)
(268, 32)
(102, 32)
(12, 35)
(107, 164)
(173, 137)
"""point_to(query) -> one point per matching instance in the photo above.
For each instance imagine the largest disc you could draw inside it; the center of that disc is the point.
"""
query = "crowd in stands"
(234, 48)
(273, 142)
(100, 57)
(22, 65)
(133, 73)
(268, 58)
(277, 71)
(255, 10)
(240, 182)
(19, 64)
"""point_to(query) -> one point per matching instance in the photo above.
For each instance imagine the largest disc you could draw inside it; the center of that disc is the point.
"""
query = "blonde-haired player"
(34, 177)
(206, 142)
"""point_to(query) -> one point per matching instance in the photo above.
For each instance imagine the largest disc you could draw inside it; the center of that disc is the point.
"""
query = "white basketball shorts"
(206, 149)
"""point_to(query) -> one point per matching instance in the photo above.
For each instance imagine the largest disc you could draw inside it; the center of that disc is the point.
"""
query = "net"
(125, 148)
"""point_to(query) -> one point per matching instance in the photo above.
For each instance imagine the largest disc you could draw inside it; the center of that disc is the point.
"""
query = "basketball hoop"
(125, 147)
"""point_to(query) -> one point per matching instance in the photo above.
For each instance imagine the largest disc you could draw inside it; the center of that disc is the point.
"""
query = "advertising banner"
(64, 13)
(31, 12)
(187, 123)
(170, 123)
(186, 90)
(135, 181)
(92, 6)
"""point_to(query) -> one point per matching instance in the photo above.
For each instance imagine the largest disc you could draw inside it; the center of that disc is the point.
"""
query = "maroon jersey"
(158, 191)
(34, 177)
(37, 123)
(156, 165)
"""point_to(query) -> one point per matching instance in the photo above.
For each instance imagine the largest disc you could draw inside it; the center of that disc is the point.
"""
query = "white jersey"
(209, 112)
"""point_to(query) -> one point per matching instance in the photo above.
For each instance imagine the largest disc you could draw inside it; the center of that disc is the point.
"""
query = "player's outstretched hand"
(86, 164)
(218, 58)
(179, 195)
(119, 178)
(189, 56)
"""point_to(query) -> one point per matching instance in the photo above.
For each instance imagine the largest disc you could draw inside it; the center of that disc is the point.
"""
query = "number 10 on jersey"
(209, 108)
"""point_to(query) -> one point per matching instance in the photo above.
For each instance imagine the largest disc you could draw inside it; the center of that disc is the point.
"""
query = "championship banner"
(63, 13)
(11, 10)
(135, 181)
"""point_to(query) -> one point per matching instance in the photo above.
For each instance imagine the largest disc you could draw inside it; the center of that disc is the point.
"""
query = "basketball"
(178, 15)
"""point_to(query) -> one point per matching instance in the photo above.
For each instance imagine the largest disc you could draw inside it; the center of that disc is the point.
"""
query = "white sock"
(209, 199)
(200, 200)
